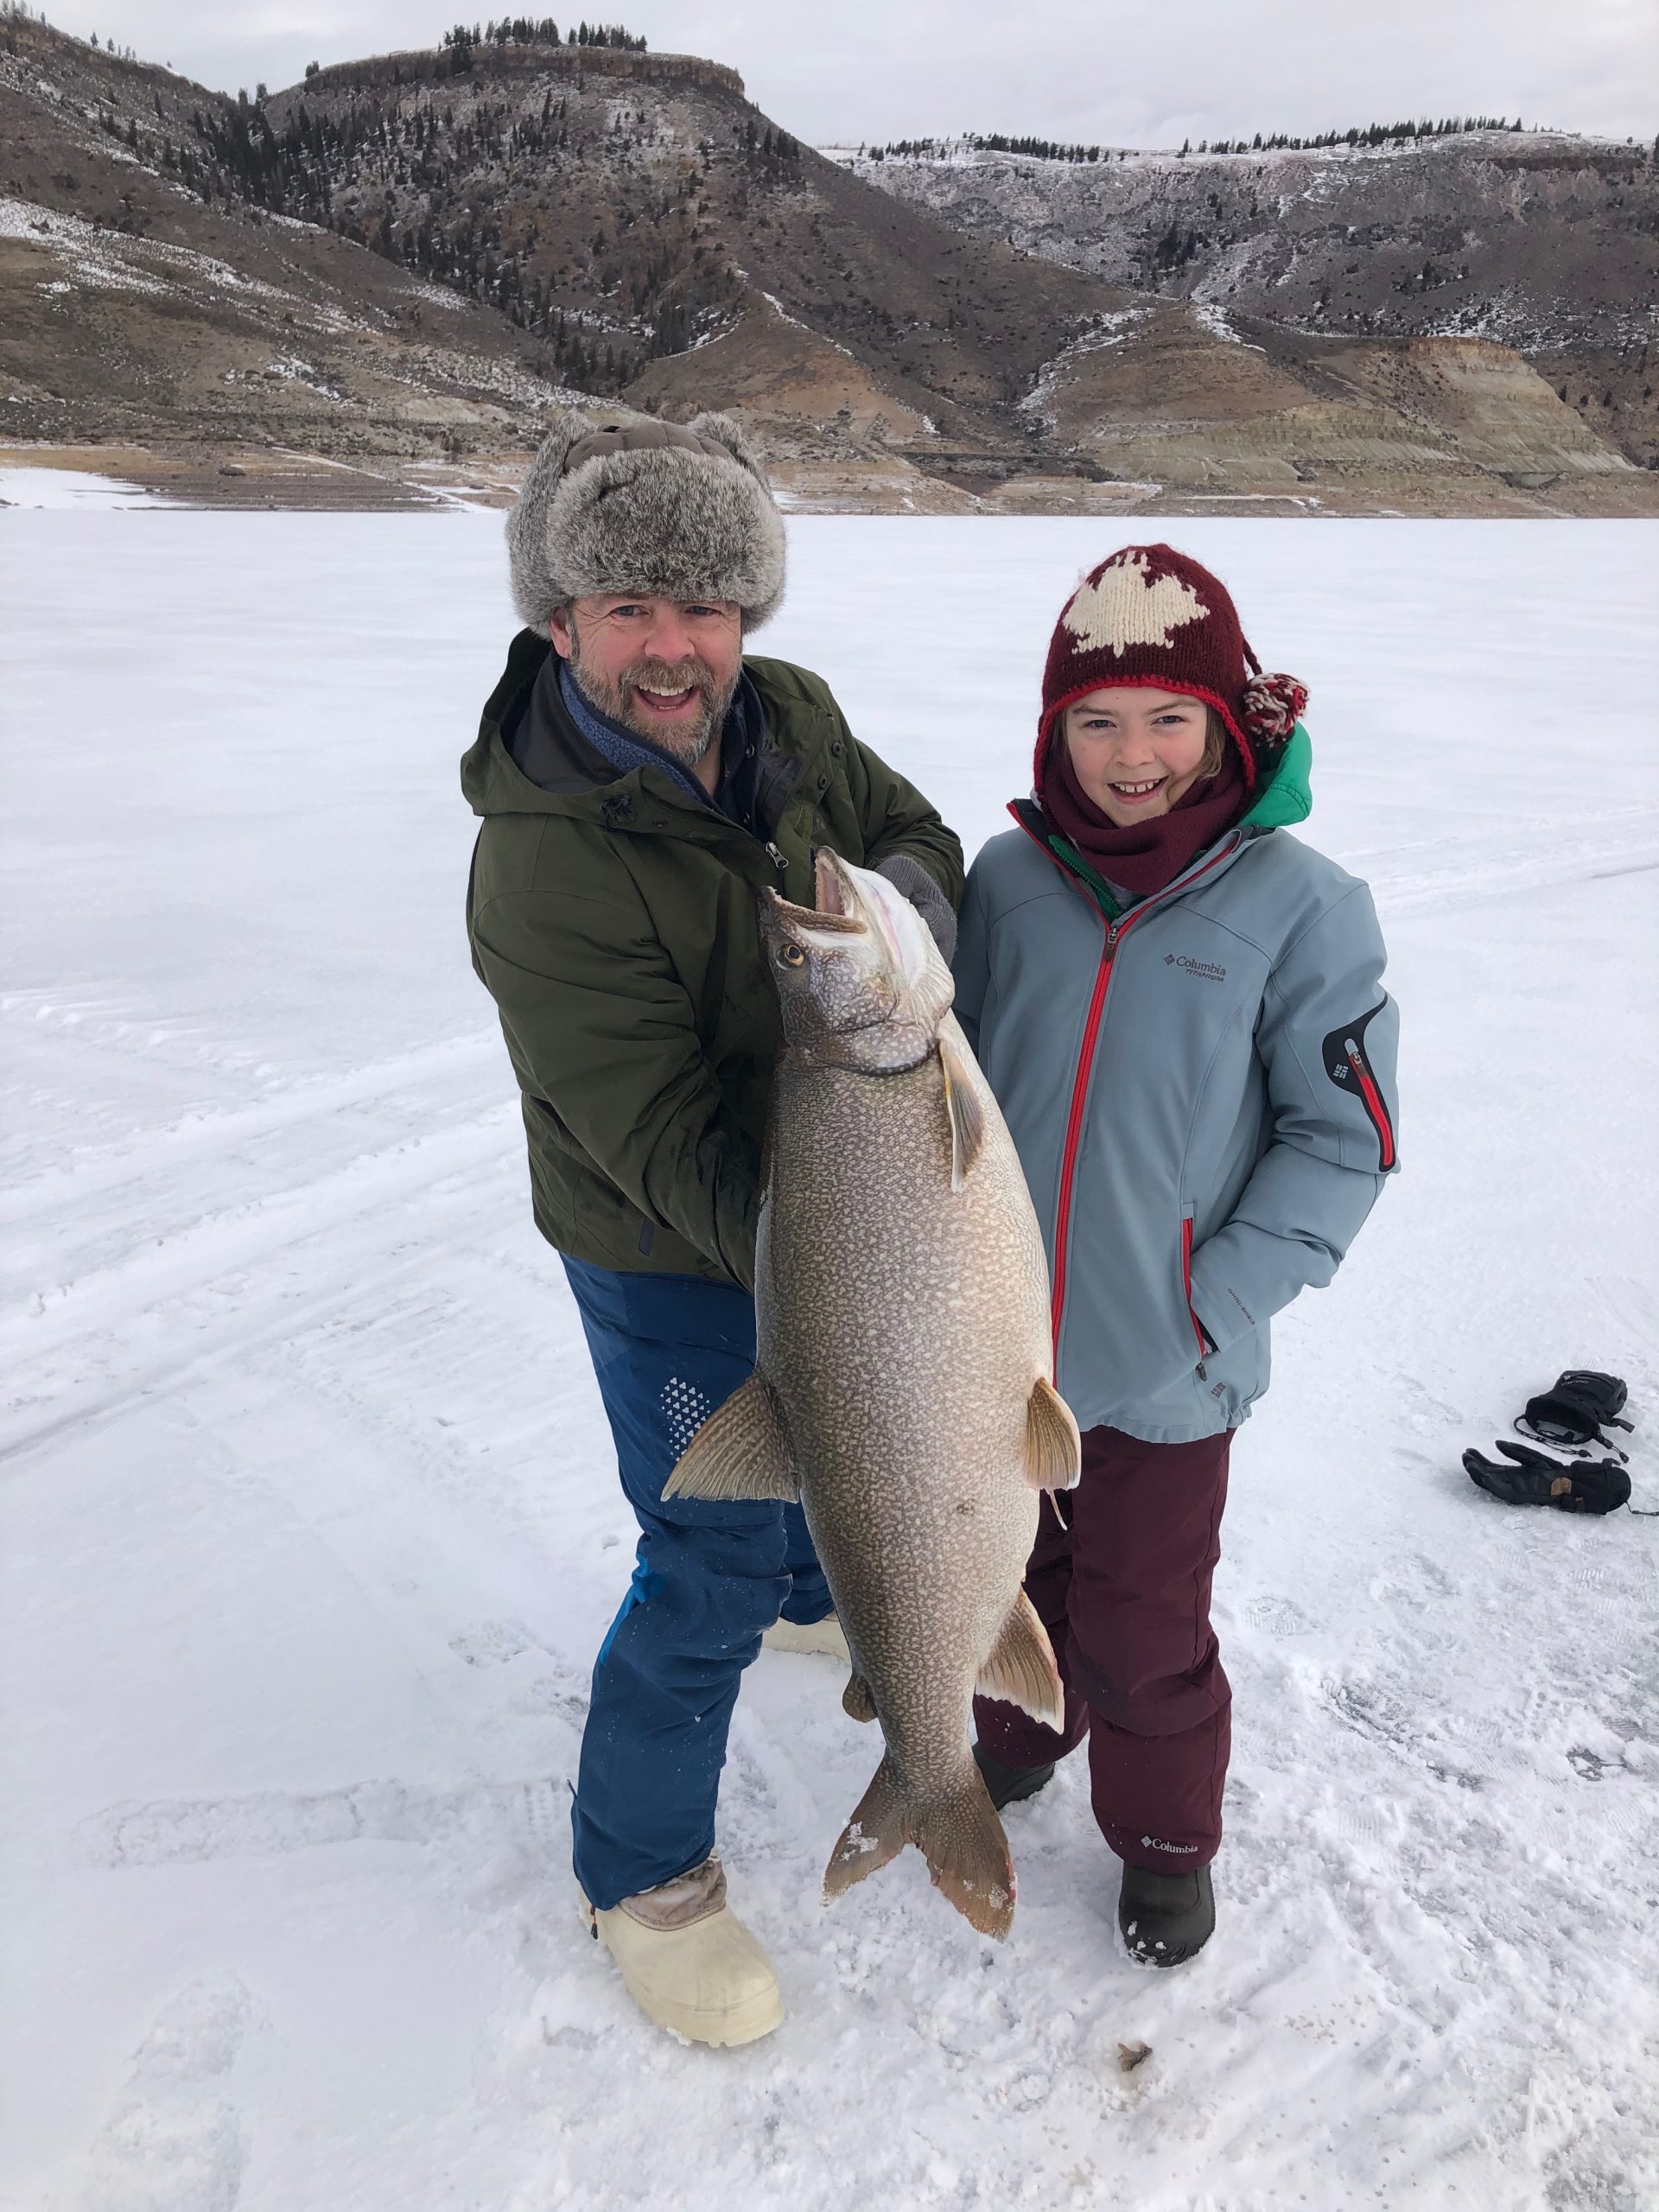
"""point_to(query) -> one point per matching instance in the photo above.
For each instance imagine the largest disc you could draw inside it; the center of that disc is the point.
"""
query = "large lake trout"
(902, 1388)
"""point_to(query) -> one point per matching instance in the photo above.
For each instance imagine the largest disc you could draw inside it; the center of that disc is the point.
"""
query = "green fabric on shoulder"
(1287, 795)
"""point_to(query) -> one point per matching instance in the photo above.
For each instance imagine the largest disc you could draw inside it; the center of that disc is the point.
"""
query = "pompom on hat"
(1148, 615)
(667, 510)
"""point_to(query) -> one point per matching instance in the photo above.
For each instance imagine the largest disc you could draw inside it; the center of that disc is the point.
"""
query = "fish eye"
(790, 956)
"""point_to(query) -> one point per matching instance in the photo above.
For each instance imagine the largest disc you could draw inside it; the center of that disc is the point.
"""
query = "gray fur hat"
(679, 512)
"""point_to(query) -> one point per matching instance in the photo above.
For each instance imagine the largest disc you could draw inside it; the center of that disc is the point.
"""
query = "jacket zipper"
(1115, 932)
(1074, 1130)
(1373, 1097)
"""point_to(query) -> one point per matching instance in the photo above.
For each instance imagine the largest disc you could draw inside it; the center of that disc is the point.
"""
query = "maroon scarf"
(1148, 855)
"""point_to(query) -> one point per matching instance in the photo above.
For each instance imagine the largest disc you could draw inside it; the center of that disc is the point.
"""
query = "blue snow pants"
(709, 1579)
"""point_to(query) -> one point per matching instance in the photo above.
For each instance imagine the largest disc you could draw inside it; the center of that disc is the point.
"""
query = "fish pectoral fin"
(855, 1700)
(741, 1452)
(1054, 1448)
(1021, 1669)
(967, 1120)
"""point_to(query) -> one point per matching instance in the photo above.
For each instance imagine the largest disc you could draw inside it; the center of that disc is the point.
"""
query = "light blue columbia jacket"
(1201, 1091)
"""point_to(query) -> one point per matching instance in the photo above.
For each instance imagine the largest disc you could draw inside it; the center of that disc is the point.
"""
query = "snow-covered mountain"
(1543, 241)
(402, 261)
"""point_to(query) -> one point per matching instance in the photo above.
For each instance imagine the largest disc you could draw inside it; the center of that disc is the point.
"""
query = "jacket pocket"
(1186, 1283)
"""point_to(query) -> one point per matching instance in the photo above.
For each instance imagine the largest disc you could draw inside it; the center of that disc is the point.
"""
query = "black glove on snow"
(1580, 1486)
(1571, 1417)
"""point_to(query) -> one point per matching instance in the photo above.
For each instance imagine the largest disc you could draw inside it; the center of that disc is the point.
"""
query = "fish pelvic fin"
(741, 1452)
(1053, 1449)
(960, 1837)
(1021, 1671)
(856, 1700)
(967, 1118)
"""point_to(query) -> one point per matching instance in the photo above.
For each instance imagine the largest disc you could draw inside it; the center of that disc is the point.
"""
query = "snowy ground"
(70, 487)
(311, 1528)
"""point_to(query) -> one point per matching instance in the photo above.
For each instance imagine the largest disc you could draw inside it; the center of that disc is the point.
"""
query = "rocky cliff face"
(143, 301)
(1545, 243)
(409, 259)
(662, 236)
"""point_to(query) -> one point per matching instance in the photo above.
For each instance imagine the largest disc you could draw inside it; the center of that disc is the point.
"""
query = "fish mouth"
(864, 901)
(837, 910)
(813, 921)
(832, 894)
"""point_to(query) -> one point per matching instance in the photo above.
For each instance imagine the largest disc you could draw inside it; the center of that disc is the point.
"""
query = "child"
(1180, 1012)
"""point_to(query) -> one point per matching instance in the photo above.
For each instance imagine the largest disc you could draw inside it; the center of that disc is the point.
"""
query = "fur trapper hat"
(676, 511)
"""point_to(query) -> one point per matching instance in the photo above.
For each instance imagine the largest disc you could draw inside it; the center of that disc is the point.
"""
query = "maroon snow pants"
(1124, 1594)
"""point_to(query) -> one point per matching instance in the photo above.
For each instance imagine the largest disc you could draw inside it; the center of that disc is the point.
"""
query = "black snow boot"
(1008, 1784)
(1165, 1917)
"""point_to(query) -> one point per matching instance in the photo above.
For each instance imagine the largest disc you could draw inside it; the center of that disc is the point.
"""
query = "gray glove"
(909, 876)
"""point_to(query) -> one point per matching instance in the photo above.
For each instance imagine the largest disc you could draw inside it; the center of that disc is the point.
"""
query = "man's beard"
(614, 695)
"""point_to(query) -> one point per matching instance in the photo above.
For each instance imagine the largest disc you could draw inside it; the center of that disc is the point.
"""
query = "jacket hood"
(490, 780)
(1286, 795)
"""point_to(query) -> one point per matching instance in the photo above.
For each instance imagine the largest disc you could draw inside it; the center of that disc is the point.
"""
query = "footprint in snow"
(1278, 1617)
(1386, 1719)
(184, 1831)
(1424, 1407)
(1363, 1824)
(492, 1643)
(174, 2142)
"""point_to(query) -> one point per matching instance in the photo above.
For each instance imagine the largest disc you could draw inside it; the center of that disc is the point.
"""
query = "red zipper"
(1374, 1106)
(1187, 1282)
(1114, 932)
(1074, 1130)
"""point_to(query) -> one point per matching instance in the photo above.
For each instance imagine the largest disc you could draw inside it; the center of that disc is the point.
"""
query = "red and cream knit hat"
(1149, 615)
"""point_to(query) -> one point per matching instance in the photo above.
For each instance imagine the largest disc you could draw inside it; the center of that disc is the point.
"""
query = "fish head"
(858, 978)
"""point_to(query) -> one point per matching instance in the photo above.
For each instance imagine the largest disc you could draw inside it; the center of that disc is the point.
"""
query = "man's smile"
(668, 705)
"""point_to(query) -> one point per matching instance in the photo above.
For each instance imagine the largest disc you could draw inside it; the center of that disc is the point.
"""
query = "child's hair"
(1217, 739)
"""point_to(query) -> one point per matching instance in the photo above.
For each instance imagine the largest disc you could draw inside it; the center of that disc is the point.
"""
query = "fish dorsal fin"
(741, 1452)
(855, 1700)
(1022, 1668)
(1053, 1449)
(967, 1120)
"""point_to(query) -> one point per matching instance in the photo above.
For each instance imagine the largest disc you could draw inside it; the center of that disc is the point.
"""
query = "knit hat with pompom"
(1148, 615)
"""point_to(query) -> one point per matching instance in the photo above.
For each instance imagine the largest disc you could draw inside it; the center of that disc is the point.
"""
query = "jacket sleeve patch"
(1350, 1069)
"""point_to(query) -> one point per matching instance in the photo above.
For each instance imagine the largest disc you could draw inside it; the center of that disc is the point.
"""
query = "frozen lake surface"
(311, 1526)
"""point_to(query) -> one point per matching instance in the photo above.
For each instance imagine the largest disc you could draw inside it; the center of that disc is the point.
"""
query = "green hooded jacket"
(614, 921)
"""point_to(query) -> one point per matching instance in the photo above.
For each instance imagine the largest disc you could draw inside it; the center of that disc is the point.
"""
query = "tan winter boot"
(823, 1638)
(687, 1962)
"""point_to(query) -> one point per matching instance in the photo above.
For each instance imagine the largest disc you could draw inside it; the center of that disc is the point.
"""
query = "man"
(641, 782)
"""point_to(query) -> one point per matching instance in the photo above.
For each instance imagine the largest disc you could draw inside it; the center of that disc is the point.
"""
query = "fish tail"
(959, 1835)
(967, 1854)
(878, 1831)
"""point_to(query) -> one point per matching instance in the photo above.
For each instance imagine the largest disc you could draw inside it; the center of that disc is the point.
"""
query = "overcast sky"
(1143, 73)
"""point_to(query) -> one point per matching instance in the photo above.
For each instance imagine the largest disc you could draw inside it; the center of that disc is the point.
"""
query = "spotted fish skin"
(901, 1327)
(901, 1296)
